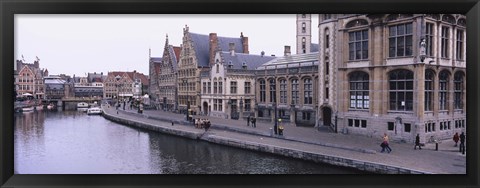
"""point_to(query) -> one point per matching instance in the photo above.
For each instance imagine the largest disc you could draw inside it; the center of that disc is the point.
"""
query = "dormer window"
(230, 65)
(244, 65)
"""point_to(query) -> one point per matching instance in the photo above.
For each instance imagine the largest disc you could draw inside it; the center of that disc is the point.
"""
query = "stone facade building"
(197, 55)
(30, 79)
(286, 89)
(124, 85)
(228, 88)
(164, 77)
(400, 74)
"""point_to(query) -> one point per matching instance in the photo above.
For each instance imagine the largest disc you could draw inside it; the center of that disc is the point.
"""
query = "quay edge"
(277, 150)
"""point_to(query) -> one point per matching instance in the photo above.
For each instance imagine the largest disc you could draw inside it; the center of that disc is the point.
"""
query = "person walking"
(254, 122)
(248, 121)
(385, 143)
(462, 142)
(275, 128)
(417, 142)
(456, 138)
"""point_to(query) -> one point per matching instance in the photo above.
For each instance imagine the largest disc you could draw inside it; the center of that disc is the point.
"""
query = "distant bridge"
(70, 103)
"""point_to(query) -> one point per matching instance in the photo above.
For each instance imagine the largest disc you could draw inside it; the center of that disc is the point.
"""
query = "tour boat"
(82, 105)
(51, 106)
(94, 111)
(39, 107)
(27, 109)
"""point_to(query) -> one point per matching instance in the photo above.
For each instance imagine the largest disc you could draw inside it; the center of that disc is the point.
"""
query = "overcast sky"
(78, 44)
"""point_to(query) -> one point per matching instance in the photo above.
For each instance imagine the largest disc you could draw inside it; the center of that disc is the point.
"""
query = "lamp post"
(230, 105)
(185, 85)
(241, 108)
(292, 113)
(336, 118)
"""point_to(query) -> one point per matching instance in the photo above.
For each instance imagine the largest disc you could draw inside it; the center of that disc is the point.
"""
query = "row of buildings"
(369, 74)
(34, 81)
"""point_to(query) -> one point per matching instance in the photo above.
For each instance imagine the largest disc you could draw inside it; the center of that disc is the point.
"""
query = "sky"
(80, 44)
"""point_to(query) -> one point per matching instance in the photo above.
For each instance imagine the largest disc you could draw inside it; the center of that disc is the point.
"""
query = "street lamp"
(230, 105)
(336, 118)
(241, 108)
(292, 108)
(185, 85)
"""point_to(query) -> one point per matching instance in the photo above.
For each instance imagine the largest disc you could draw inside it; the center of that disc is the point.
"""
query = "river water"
(71, 142)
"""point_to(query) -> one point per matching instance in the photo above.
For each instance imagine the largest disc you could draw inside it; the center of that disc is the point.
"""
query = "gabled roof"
(156, 59)
(252, 61)
(201, 45)
(174, 56)
(292, 61)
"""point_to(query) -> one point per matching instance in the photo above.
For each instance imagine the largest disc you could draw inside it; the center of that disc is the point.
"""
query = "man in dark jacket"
(417, 142)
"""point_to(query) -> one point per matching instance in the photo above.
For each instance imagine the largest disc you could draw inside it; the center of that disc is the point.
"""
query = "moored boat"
(50, 106)
(39, 107)
(27, 109)
(94, 111)
(82, 105)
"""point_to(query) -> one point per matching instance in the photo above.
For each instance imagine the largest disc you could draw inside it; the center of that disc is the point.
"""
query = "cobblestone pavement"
(447, 160)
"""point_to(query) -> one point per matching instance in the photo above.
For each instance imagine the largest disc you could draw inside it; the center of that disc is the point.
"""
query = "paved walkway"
(447, 160)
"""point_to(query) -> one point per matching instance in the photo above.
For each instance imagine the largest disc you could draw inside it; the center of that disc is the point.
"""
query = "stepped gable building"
(228, 88)
(286, 89)
(125, 85)
(30, 78)
(166, 77)
(197, 55)
(400, 74)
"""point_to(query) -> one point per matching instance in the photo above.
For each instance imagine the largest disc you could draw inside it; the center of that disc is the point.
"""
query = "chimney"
(262, 53)
(244, 43)
(213, 44)
(287, 51)
(231, 48)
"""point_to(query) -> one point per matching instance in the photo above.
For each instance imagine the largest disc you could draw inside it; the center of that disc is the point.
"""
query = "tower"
(304, 33)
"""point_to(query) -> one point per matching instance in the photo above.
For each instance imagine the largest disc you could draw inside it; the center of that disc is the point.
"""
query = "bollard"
(436, 146)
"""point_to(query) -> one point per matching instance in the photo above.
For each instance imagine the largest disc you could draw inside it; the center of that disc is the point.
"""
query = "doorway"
(327, 116)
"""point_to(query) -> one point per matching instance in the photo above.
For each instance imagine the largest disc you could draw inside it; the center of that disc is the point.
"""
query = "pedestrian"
(385, 143)
(275, 128)
(254, 122)
(172, 123)
(456, 138)
(124, 105)
(417, 142)
(248, 121)
(280, 130)
(462, 142)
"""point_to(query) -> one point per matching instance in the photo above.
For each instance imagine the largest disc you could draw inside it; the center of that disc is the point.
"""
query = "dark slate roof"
(156, 59)
(173, 56)
(314, 47)
(252, 61)
(292, 61)
(201, 45)
(95, 77)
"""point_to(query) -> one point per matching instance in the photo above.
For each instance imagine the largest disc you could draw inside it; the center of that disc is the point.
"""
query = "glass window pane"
(351, 37)
(365, 50)
(365, 35)
(408, 45)
(409, 28)
(400, 46)
(393, 31)
(357, 50)
(401, 30)
(393, 85)
(358, 36)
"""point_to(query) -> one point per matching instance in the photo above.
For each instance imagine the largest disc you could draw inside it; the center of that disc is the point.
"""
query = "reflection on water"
(71, 142)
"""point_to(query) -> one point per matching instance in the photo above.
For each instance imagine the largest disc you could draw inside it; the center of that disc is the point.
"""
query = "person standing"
(386, 144)
(254, 122)
(248, 121)
(417, 142)
(462, 142)
(456, 138)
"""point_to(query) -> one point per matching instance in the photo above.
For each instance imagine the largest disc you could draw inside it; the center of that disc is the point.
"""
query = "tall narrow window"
(308, 91)
(443, 97)
(359, 90)
(273, 91)
(215, 104)
(220, 86)
(283, 91)
(248, 105)
(233, 87)
(304, 27)
(215, 87)
(401, 90)
(458, 82)
(358, 45)
(327, 38)
(204, 87)
(429, 39)
(217, 68)
(209, 87)
(445, 36)
(263, 91)
(400, 40)
(429, 75)
(459, 49)
(220, 105)
(247, 87)
(295, 90)
(303, 44)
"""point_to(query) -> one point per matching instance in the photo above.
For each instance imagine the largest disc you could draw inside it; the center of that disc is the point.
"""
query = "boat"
(94, 111)
(51, 106)
(39, 107)
(27, 109)
(82, 105)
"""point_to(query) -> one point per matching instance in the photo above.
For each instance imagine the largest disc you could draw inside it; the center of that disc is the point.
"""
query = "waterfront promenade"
(309, 143)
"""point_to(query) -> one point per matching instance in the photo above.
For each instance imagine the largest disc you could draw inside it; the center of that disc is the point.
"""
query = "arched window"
(443, 90)
(458, 82)
(327, 38)
(220, 86)
(359, 90)
(217, 67)
(429, 75)
(401, 90)
(283, 91)
(295, 90)
(273, 90)
(308, 91)
(215, 86)
(263, 91)
(304, 27)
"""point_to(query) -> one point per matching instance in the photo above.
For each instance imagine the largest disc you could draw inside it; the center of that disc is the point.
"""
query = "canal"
(71, 142)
